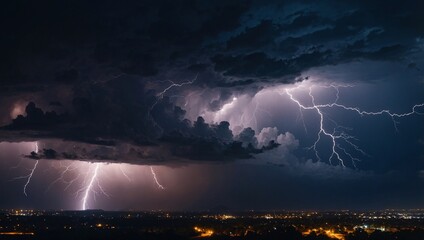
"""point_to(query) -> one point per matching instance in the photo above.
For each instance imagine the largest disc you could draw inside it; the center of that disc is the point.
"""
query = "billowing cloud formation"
(118, 132)
(281, 155)
(111, 74)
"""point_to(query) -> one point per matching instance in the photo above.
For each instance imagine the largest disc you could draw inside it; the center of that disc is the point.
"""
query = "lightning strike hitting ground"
(89, 187)
(87, 177)
(337, 136)
(155, 178)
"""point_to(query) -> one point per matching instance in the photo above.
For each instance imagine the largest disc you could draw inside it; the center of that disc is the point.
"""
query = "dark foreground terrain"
(97, 224)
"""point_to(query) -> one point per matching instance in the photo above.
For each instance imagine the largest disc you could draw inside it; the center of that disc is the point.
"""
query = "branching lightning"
(89, 187)
(156, 179)
(162, 94)
(337, 136)
(88, 179)
(173, 85)
(61, 178)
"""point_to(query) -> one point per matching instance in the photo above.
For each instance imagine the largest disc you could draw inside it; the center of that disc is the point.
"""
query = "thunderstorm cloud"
(157, 82)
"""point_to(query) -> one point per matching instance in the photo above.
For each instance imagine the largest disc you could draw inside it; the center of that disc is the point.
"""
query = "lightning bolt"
(89, 187)
(88, 178)
(125, 174)
(61, 178)
(381, 112)
(155, 178)
(31, 173)
(172, 85)
(337, 136)
(29, 177)
(162, 94)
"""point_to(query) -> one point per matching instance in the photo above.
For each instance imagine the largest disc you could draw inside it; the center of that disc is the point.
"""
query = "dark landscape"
(98, 224)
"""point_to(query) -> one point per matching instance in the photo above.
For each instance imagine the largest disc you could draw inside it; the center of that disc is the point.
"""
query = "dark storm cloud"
(198, 142)
(280, 51)
(116, 114)
(37, 119)
(258, 65)
(63, 43)
(100, 64)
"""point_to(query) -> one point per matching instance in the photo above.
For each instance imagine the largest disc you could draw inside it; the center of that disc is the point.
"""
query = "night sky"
(212, 105)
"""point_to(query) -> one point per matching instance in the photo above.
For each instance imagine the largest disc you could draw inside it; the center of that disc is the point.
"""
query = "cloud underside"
(171, 150)
(177, 139)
